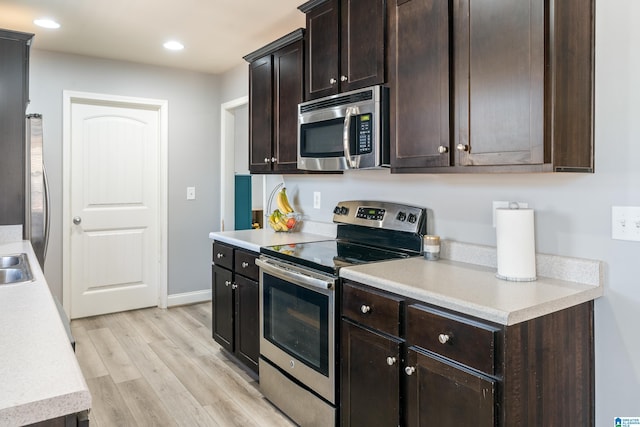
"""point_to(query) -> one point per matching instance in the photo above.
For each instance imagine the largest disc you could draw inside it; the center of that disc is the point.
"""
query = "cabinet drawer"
(223, 255)
(464, 340)
(245, 264)
(371, 308)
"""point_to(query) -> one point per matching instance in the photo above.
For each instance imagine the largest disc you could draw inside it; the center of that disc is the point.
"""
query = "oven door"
(297, 325)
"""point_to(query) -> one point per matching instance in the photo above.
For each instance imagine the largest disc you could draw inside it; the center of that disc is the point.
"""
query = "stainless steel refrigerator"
(36, 222)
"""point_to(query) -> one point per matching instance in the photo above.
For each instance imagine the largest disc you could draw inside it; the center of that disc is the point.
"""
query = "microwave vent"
(351, 98)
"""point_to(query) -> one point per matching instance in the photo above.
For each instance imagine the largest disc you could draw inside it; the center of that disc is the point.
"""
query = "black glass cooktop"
(330, 255)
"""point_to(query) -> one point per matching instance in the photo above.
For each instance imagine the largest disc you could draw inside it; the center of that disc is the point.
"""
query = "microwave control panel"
(364, 126)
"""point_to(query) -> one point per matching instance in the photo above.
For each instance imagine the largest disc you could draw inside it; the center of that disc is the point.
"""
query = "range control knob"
(336, 210)
(344, 210)
(401, 216)
(412, 218)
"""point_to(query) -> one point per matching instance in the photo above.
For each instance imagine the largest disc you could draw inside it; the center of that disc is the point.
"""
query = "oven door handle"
(299, 278)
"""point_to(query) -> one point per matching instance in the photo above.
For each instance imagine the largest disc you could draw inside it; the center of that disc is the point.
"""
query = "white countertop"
(40, 377)
(472, 289)
(252, 240)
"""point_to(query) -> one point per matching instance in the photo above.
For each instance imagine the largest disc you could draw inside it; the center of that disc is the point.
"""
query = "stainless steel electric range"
(298, 295)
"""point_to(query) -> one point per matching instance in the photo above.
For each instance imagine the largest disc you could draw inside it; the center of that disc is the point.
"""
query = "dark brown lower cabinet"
(223, 307)
(439, 393)
(370, 375)
(235, 303)
(459, 370)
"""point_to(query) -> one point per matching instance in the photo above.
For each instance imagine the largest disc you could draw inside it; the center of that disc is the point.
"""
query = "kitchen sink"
(15, 269)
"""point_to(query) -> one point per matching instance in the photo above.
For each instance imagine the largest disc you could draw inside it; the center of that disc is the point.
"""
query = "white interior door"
(114, 204)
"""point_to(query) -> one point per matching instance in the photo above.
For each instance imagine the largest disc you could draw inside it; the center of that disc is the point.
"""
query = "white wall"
(194, 129)
(573, 211)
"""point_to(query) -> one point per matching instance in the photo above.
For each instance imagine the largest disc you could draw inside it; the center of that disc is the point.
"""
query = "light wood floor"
(156, 367)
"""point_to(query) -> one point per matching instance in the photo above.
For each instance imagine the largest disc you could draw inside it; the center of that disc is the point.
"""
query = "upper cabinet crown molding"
(275, 45)
(306, 7)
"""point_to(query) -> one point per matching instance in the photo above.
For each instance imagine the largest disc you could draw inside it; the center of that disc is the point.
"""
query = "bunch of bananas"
(280, 219)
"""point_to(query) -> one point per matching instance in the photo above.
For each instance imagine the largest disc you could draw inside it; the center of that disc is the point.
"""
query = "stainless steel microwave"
(345, 131)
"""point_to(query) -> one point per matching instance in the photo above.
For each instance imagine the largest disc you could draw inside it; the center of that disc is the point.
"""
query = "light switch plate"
(316, 200)
(191, 193)
(625, 223)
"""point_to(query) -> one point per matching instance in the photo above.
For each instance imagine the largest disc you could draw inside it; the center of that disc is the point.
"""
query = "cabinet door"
(370, 378)
(446, 395)
(419, 76)
(223, 307)
(322, 72)
(14, 60)
(260, 115)
(288, 93)
(247, 321)
(500, 82)
(362, 46)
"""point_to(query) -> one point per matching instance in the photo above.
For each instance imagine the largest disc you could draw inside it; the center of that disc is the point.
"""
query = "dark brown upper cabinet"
(484, 86)
(275, 90)
(345, 45)
(14, 96)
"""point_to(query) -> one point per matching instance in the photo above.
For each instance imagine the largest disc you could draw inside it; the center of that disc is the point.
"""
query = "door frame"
(227, 161)
(161, 106)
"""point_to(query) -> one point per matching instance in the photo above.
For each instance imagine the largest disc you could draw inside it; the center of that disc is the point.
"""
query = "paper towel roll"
(515, 241)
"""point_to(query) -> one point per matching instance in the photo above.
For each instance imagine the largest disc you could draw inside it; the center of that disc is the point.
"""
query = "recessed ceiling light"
(173, 45)
(46, 23)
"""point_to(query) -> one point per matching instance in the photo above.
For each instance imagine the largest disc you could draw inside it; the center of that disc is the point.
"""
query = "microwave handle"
(346, 135)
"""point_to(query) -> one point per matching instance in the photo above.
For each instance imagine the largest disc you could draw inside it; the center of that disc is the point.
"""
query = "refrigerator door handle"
(47, 212)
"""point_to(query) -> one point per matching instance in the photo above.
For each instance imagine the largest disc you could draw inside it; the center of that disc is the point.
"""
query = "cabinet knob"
(391, 361)
(442, 149)
(266, 160)
(234, 286)
(443, 338)
(220, 255)
(409, 370)
(462, 147)
(227, 283)
(365, 309)
(333, 81)
(343, 78)
(273, 160)
(245, 264)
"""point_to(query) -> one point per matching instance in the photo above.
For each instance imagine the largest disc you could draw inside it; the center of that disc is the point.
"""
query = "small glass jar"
(431, 247)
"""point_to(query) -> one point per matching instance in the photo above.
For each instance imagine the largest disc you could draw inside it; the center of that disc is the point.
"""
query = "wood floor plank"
(144, 404)
(146, 328)
(108, 406)
(172, 393)
(116, 360)
(185, 378)
(87, 355)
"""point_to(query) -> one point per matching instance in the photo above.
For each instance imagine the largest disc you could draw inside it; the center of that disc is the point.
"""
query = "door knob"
(77, 220)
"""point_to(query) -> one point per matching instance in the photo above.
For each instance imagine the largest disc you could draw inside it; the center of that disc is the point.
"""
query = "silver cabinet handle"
(409, 370)
(245, 264)
(344, 78)
(391, 360)
(266, 160)
(443, 338)
(227, 283)
(365, 309)
(442, 149)
(273, 160)
(220, 255)
(333, 81)
(462, 147)
(234, 286)
(77, 220)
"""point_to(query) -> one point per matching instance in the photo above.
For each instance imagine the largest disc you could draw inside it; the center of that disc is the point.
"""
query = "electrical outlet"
(191, 193)
(502, 204)
(316, 200)
(625, 223)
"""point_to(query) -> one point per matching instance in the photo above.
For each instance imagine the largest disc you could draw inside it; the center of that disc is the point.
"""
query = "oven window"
(296, 321)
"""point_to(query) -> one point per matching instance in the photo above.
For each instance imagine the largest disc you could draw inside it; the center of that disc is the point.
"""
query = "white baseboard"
(188, 298)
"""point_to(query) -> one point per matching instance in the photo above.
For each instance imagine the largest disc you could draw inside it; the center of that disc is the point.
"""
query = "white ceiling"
(216, 33)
